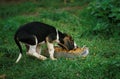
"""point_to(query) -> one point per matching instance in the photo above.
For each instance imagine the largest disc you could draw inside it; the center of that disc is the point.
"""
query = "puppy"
(34, 34)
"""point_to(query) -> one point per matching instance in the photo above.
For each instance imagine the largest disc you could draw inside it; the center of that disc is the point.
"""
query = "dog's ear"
(68, 42)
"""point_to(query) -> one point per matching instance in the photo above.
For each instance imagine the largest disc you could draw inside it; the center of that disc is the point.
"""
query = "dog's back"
(40, 30)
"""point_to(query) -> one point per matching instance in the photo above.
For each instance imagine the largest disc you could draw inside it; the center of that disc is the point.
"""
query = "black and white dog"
(36, 33)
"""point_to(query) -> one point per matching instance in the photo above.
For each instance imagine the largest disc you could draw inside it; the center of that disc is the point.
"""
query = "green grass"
(103, 61)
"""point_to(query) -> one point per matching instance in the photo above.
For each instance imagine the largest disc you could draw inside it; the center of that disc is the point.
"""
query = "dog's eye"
(72, 42)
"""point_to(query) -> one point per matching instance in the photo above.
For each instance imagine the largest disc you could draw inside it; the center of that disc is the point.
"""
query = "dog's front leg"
(51, 50)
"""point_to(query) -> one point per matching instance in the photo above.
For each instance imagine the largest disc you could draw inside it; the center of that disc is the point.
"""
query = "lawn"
(103, 61)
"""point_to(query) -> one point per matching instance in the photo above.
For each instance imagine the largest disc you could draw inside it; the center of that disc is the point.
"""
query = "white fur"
(51, 50)
(19, 57)
(75, 45)
(57, 39)
(32, 49)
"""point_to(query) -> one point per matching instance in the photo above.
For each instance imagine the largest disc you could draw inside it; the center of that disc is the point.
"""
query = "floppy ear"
(68, 43)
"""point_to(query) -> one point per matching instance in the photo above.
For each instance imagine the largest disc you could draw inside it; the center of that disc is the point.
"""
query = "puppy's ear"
(68, 43)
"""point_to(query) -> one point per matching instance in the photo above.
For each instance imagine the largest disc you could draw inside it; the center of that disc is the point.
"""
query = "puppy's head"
(68, 43)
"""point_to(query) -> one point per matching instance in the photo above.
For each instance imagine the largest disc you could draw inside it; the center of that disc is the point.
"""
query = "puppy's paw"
(43, 57)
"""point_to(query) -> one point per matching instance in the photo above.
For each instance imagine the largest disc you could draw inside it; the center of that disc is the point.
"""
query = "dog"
(34, 34)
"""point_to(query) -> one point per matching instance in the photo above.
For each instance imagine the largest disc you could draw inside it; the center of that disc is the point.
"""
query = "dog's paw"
(43, 57)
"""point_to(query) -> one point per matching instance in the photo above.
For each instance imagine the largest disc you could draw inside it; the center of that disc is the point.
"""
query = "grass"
(102, 62)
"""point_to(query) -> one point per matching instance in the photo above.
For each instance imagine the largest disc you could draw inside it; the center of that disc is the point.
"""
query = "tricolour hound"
(34, 34)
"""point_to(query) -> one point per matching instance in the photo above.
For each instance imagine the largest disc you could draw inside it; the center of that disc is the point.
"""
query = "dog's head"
(68, 42)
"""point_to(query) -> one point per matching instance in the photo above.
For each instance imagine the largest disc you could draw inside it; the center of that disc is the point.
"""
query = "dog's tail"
(20, 48)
